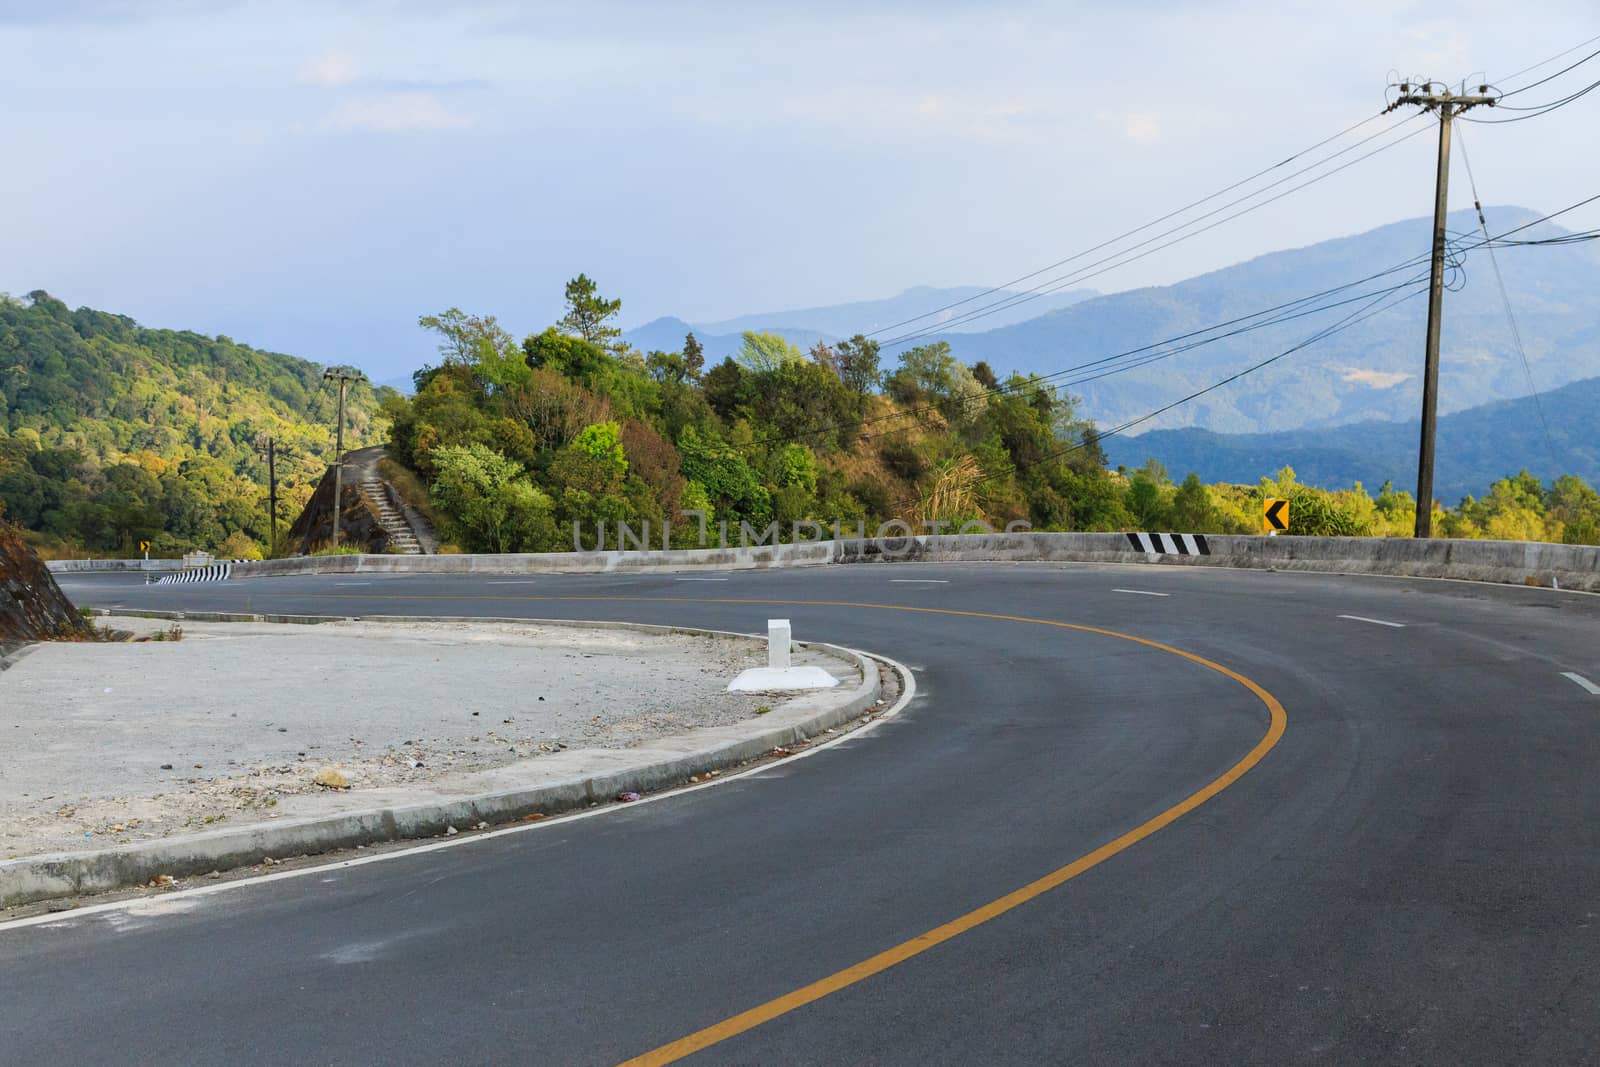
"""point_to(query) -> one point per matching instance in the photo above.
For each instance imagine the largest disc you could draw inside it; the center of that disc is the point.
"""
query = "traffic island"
(240, 743)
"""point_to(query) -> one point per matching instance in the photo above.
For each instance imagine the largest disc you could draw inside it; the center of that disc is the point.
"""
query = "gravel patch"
(115, 743)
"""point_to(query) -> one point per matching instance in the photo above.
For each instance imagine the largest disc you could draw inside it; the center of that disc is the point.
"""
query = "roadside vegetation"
(516, 441)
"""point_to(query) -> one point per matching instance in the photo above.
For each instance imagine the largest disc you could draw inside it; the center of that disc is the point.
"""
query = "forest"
(516, 442)
(112, 434)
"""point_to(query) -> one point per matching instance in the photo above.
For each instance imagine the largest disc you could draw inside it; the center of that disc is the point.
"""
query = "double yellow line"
(833, 983)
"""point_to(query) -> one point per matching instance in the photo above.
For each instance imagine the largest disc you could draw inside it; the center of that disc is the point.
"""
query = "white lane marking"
(1582, 681)
(699, 579)
(352, 583)
(136, 904)
(1375, 622)
(920, 581)
(1140, 592)
(519, 581)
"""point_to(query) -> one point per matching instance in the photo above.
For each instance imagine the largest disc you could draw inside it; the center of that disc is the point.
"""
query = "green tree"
(490, 506)
(694, 356)
(603, 442)
(766, 352)
(858, 365)
(1192, 509)
(478, 342)
(589, 314)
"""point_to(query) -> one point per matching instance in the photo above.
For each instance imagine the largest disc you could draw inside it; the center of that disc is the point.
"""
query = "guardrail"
(1513, 562)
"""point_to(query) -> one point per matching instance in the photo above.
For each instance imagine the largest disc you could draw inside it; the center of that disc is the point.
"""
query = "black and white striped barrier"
(1163, 544)
(216, 572)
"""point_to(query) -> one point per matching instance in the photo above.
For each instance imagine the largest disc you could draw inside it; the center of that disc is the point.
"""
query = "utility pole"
(344, 377)
(1432, 96)
(272, 495)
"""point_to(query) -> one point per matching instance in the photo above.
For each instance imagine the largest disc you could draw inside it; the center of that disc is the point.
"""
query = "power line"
(1003, 286)
(1552, 59)
(1511, 318)
(1352, 319)
(1033, 381)
(1559, 73)
(1129, 233)
(1115, 260)
(1539, 109)
(1457, 251)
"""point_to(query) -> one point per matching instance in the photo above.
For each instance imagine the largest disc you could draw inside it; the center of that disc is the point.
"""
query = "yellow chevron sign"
(1274, 514)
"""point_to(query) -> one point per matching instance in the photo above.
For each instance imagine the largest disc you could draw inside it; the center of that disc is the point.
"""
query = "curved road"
(1409, 874)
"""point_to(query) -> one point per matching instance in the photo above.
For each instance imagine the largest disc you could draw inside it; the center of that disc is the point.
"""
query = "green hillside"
(111, 433)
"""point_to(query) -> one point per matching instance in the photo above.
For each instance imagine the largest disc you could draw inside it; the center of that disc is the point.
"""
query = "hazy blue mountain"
(1474, 447)
(666, 335)
(867, 316)
(806, 326)
(1370, 371)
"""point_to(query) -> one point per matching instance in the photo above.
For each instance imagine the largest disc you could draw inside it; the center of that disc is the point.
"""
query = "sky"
(312, 177)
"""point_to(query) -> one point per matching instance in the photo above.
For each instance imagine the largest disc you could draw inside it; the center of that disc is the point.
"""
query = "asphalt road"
(1411, 874)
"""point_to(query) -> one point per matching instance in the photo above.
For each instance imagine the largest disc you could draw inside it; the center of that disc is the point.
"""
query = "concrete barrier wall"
(1514, 562)
(756, 558)
(68, 566)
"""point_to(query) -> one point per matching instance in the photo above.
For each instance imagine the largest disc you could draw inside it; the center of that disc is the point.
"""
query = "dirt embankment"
(32, 606)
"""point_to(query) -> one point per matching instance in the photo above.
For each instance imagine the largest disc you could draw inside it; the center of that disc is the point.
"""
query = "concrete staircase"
(390, 517)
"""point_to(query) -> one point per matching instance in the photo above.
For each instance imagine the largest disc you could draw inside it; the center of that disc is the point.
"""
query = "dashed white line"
(352, 583)
(699, 579)
(920, 581)
(1583, 682)
(1140, 592)
(519, 581)
(1375, 622)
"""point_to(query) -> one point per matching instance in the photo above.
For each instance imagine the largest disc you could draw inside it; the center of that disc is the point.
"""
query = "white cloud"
(1141, 127)
(331, 70)
(396, 112)
(1374, 379)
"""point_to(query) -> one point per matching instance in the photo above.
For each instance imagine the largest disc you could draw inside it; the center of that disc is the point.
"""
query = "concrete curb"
(567, 780)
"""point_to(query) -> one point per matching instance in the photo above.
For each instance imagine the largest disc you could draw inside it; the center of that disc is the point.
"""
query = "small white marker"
(1140, 592)
(352, 583)
(699, 579)
(1593, 689)
(1375, 622)
(519, 581)
(920, 581)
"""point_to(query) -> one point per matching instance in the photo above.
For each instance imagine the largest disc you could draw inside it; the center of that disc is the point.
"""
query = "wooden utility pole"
(1434, 97)
(343, 377)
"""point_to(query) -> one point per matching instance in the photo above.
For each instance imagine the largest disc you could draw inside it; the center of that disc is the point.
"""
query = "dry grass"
(408, 487)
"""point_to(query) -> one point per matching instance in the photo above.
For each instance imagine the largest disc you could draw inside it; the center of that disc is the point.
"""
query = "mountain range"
(1369, 371)
(1551, 435)
(805, 327)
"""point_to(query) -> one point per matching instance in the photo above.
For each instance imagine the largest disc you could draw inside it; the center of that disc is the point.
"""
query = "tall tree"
(589, 314)
(694, 356)
(766, 352)
(858, 364)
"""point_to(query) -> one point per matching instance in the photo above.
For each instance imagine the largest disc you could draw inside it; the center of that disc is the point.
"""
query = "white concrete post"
(778, 634)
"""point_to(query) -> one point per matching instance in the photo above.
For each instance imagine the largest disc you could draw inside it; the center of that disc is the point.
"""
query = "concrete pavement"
(1407, 875)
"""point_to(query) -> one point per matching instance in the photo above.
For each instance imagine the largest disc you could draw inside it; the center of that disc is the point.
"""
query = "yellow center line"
(761, 1013)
